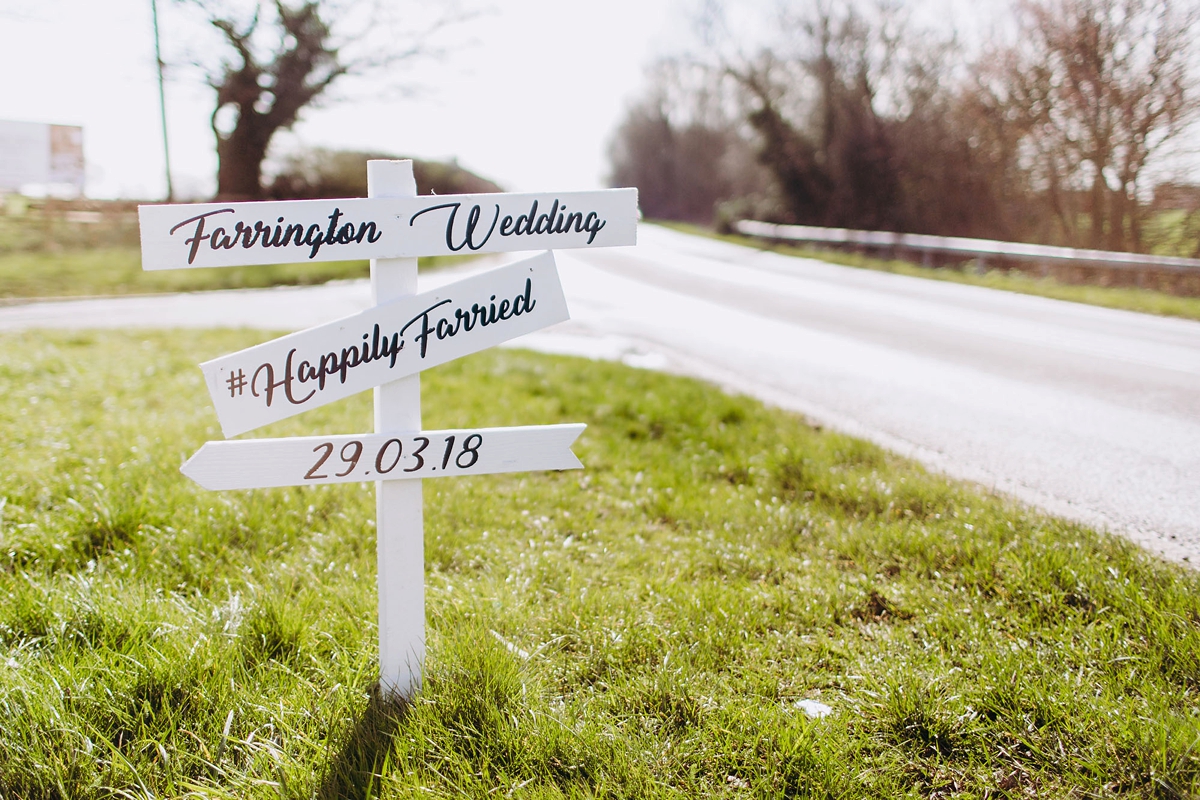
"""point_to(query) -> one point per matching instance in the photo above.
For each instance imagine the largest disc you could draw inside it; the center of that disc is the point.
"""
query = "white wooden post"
(399, 511)
(391, 221)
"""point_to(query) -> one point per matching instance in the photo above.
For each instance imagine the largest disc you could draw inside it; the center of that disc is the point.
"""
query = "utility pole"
(162, 101)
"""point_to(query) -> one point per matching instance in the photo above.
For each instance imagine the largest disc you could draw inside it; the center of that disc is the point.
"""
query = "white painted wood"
(399, 505)
(304, 369)
(233, 234)
(385, 348)
(354, 458)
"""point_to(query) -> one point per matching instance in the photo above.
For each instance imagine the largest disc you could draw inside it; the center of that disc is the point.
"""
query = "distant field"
(648, 627)
(117, 271)
(51, 256)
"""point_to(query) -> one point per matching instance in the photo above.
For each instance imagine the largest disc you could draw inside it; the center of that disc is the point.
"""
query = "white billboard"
(34, 153)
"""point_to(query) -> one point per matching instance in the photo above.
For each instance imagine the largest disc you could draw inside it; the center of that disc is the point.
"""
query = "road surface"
(1089, 413)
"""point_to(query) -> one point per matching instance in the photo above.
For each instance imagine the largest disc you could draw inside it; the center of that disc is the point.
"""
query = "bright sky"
(529, 95)
(529, 99)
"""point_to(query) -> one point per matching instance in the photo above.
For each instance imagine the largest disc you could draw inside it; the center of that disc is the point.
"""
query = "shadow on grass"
(356, 770)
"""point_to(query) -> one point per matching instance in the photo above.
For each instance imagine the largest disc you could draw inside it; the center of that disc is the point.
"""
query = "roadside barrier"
(979, 249)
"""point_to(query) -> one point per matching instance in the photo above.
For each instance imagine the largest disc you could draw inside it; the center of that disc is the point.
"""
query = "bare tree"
(851, 119)
(789, 152)
(864, 120)
(680, 145)
(1096, 89)
(280, 58)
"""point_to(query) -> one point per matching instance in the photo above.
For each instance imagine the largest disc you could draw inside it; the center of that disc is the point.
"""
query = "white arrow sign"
(385, 347)
(304, 370)
(235, 234)
(261, 463)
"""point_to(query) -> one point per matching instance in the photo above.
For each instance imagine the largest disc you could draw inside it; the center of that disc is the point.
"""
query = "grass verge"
(1146, 301)
(118, 270)
(647, 627)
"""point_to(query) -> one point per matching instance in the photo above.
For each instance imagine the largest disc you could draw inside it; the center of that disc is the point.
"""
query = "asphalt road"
(1089, 413)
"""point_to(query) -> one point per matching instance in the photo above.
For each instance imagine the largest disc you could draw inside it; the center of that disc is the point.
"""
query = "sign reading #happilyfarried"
(291, 374)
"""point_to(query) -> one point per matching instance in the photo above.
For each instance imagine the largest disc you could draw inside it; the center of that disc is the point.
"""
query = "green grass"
(1174, 232)
(642, 628)
(27, 225)
(118, 270)
(1147, 301)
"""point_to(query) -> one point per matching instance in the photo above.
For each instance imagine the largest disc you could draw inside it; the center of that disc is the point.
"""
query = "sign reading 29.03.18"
(305, 460)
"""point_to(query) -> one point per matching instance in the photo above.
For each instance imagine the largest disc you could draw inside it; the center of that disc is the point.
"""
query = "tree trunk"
(239, 161)
(1117, 215)
(1099, 201)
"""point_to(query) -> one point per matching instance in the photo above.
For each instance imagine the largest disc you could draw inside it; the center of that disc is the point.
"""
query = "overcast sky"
(529, 96)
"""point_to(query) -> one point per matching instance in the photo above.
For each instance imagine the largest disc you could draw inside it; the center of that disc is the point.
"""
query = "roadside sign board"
(291, 374)
(385, 348)
(237, 234)
(305, 460)
(40, 154)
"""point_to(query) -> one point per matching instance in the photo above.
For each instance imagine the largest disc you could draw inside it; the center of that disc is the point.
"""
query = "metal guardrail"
(959, 245)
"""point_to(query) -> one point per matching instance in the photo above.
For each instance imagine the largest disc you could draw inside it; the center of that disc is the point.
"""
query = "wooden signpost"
(385, 348)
